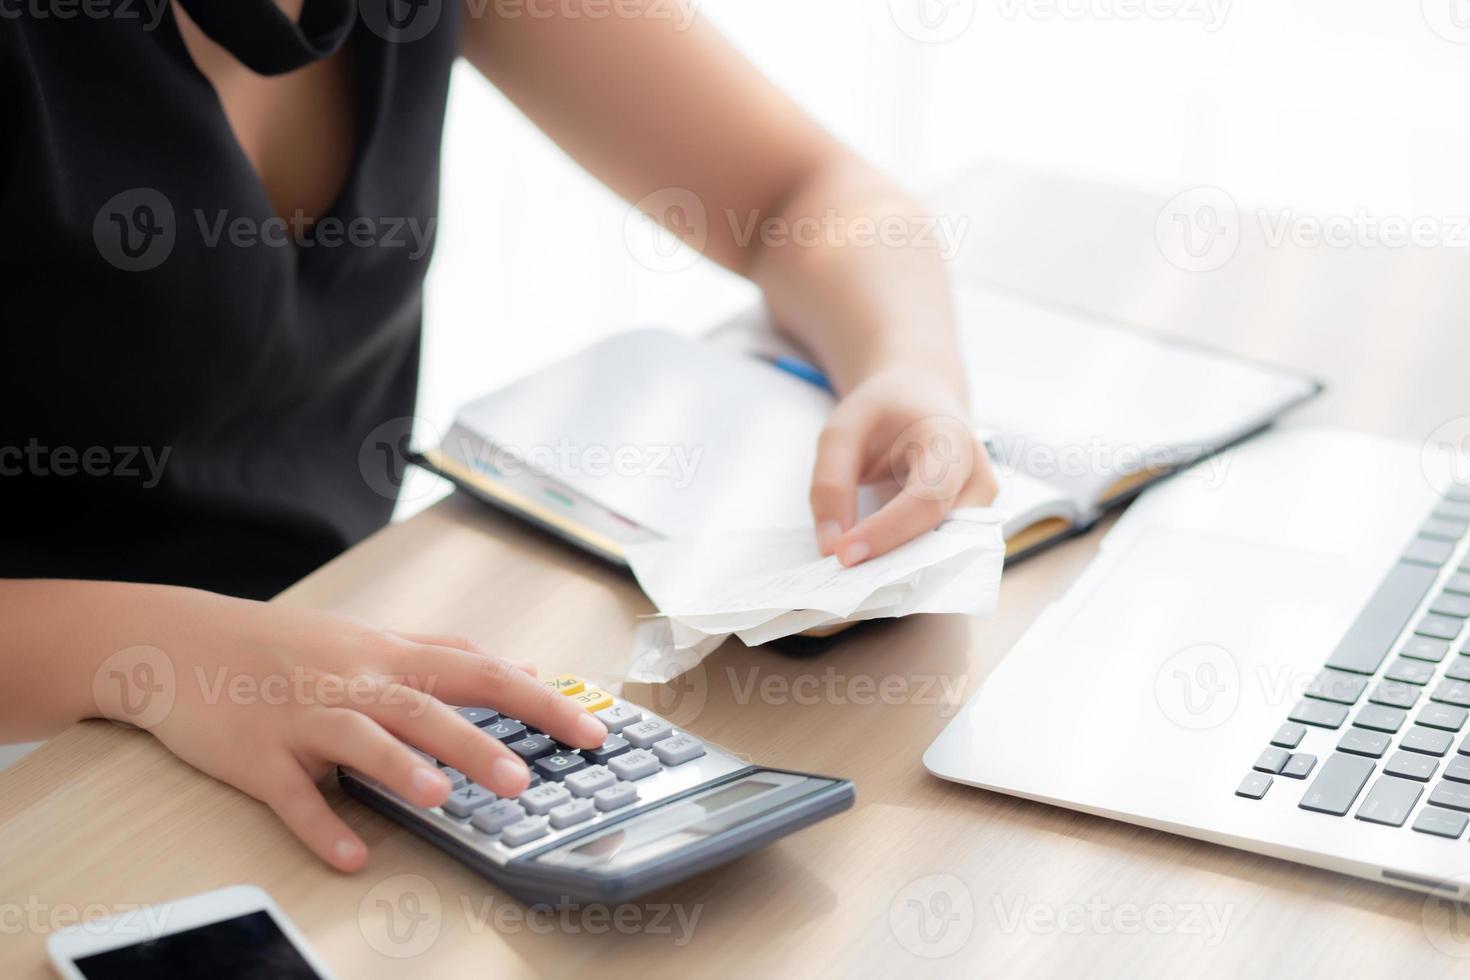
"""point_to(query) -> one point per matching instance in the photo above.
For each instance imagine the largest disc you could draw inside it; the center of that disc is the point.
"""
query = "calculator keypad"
(643, 761)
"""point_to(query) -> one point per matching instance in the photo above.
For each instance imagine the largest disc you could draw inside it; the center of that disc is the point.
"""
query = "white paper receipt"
(764, 585)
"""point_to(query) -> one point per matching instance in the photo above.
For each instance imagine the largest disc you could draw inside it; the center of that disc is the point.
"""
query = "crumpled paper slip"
(764, 585)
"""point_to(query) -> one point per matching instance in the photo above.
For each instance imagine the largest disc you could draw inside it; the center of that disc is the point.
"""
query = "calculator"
(653, 805)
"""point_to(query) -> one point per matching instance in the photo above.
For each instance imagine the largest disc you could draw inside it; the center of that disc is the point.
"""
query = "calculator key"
(1458, 771)
(1254, 785)
(565, 684)
(542, 799)
(1452, 795)
(619, 716)
(1299, 766)
(1323, 714)
(560, 765)
(506, 730)
(589, 781)
(616, 796)
(1444, 528)
(1453, 692)
(1426, 740)
(614, 746)
(1441, 823)
(1360, 741)
(478, 716)
(497, 816)
(1411, 765)
(1458, 669)
(523, 832)
(1445, 716)
(1439, 627)
(457, 779)
(463, 802)
(1428, 551)
(1395, 694)
(634, 765)
(646, 732)
(1338, 783)
(533, 747)
(573, 813)
(1390, 801)
(1380, 718)
(593, 699)
(1407, 671)
(1423, 648)
(1273, 760)
(1459, 583)
(685, 748)
(1289, 735)
(1450, 604)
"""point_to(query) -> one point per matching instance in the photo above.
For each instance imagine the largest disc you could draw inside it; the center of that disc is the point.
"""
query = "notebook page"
(1080, 402)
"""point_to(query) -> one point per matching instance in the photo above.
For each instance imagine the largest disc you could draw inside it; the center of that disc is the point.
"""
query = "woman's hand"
(904, 424)
(269, 698)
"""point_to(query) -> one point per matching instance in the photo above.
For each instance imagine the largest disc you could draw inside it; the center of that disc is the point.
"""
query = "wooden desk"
(103, 817)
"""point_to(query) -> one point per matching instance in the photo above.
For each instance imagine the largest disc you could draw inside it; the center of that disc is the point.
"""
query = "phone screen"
(250, 946)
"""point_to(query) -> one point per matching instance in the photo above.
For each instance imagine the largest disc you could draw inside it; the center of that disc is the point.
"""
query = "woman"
(210, 309)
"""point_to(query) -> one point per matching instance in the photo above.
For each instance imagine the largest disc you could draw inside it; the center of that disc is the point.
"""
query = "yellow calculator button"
(566, 684)
(594, 699)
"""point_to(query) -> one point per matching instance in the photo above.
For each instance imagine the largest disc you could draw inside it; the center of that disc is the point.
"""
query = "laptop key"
(1411, 765)
(1337, 785)
(1428, 551)
(1444, 528)
(1254, 785)
(1367, 641)
(1443, 716)
(1289, 735)
(1390, 801)
(1458, 770)
(1323, 714)
(1452, 510)
(1455, 796)
(1337, 685)
(1407, 671)
(1426, 740)
(1424, 648)
(1458, 669)
(1459, 583)
(1380, 718)
(1439, 627)
(1395, 694)
(1441, 823)
(1360, 741)
(1449, 604)
(1299, 766)
(1452, 692)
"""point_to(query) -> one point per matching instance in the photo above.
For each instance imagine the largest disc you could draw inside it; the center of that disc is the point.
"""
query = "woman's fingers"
(940, 466)
(835, 478)
(355, 740)
(458, 642)
(425, 722)
(299, 804)
(464, 678)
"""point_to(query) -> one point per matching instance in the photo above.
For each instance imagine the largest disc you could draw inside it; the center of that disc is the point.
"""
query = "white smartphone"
(230, 934)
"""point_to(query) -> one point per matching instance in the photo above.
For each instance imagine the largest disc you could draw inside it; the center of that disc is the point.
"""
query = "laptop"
(1271, 655)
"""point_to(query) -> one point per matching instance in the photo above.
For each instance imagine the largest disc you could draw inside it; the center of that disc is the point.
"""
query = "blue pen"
(797, 367)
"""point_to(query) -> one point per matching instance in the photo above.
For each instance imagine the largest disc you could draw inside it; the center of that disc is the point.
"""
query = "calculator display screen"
(731, 795)
(666, 830)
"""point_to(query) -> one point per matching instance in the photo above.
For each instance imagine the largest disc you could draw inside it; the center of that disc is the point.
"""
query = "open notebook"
(650, 434)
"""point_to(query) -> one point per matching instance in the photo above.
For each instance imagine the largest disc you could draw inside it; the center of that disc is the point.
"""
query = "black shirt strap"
(265, 40)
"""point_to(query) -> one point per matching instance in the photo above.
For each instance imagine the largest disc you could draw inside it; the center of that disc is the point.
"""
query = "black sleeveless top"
(194, 391)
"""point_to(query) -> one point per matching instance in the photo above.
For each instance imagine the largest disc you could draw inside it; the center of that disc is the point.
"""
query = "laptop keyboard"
(1400, 702)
